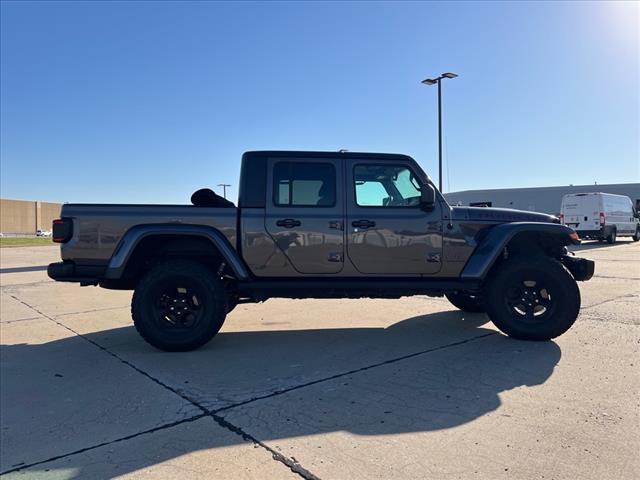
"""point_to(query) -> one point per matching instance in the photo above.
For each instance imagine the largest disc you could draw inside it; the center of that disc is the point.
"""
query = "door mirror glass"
(427, 197)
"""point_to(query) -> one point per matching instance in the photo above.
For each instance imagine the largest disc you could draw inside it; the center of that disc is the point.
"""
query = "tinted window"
(301, 184)
(253, 183)
(385, 186)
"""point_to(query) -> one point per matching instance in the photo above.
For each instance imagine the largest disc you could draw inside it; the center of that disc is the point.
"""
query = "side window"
(385, 186)
(302, 184)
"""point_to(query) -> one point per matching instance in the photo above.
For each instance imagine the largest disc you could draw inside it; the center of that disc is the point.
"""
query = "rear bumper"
(591, 234)
(70, 272)
(581, 268)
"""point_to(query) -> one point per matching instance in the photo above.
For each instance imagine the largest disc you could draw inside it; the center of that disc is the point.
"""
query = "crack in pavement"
(92, 311)
(292, 464)
(27, 284)
(355, 370)
(626, 295)
(21, 320)
(110, 442)
(617, 278)
(593, 317)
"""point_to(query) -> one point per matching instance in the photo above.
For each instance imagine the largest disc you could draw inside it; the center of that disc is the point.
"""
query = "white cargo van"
(600, 216)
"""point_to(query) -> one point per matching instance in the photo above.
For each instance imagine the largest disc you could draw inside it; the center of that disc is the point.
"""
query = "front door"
(388, 232)
(305, 212)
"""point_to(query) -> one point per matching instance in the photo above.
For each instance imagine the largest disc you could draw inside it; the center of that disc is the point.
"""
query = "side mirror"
(428, 197)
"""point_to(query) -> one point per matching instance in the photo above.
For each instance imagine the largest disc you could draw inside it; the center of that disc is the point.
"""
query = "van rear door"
(581, 211)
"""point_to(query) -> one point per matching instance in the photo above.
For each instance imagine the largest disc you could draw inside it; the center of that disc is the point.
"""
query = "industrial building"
(24, 217)
(538, 199)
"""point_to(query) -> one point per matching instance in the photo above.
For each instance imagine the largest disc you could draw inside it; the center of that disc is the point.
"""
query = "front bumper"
(581, 268)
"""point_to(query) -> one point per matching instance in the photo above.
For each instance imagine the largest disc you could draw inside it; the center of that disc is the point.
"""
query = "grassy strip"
(26, 242)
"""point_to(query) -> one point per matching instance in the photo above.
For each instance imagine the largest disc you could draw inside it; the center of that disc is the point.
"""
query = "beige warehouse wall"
(25, 217)
(48, 213)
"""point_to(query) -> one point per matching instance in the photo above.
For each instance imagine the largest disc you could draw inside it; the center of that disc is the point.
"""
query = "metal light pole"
(224, 188)
(434, 81)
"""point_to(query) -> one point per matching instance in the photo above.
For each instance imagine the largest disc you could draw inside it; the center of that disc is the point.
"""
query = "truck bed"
(97, 228)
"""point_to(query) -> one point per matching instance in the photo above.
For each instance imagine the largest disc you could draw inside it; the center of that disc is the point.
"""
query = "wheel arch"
(144, 241)
(543, 238)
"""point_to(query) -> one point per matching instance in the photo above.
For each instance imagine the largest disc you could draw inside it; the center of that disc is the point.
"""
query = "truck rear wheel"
(532, 298)
(636, 236)
(611, 238)
(466, 302)
(179, 305)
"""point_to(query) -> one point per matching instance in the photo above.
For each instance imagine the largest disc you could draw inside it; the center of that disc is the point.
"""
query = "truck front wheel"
(532, 298)
(179, 305)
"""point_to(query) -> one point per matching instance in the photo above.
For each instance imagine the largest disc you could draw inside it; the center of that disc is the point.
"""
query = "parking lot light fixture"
(434, 81)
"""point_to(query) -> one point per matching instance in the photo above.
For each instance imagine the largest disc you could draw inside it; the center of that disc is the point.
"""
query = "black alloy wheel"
(178, 307)
(530, 301)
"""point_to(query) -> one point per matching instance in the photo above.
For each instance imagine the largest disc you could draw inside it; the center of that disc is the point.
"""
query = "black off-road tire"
(194, 291)
(521, 286)
(636, 236)
(466, 302)
(611, 238)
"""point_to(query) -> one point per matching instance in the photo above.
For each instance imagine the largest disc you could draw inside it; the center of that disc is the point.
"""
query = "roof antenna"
(343, 150)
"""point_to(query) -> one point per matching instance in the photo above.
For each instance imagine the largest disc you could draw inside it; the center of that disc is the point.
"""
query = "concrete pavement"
(317, 388)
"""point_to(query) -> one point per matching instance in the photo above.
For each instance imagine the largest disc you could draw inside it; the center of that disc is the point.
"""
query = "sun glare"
(621, 22)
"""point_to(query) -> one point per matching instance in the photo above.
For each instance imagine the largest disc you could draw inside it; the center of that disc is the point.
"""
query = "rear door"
(582, 211)
(387, 230)
(305, 212)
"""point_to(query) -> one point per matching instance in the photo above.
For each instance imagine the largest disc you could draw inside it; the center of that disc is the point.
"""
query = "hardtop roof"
(317, 154)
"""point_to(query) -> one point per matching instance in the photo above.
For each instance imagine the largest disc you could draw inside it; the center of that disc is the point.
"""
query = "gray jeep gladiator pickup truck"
(322, 225)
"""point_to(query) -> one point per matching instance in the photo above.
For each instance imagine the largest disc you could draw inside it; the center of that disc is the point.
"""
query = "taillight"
(562, 218)
(62, 230)
(602, 218)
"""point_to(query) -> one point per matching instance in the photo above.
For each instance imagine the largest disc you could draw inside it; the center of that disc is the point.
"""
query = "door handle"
(288, 223)
(363, 223)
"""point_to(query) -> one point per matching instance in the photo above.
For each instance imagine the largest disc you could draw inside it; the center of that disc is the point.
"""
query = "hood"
(500, 215)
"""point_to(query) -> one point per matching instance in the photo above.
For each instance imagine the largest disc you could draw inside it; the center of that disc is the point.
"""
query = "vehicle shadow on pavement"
(594, 244)
(423, 374)
(36, 268)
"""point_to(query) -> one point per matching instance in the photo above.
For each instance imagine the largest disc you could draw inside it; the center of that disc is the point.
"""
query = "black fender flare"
(492, 246)
(134, 235)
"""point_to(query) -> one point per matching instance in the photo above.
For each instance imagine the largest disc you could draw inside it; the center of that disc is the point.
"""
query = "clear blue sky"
(145, 102)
